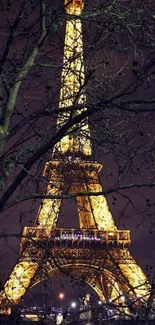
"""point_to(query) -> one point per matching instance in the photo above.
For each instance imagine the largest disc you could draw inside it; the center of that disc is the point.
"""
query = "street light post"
(61, 296)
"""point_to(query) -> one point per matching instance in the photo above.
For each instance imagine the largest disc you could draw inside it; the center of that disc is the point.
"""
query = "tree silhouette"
(119, 56)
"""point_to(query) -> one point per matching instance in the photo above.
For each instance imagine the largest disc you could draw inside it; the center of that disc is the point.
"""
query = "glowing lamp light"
(100, 302)
(73, 304)
(61, 295)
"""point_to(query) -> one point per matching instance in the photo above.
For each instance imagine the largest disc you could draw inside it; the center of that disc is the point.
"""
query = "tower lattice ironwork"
(97, 252)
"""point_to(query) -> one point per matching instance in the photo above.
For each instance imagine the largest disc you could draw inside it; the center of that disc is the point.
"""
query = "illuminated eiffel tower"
(97, 252)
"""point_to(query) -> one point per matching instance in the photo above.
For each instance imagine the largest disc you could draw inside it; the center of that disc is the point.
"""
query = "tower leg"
(49, 210)
(100, 209)
(19, 280)
(85, 214)
(135, 277)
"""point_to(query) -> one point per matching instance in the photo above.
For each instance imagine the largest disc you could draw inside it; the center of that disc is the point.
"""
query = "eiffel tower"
(97, 251)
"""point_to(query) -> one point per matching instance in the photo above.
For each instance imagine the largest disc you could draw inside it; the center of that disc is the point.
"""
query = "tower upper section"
(74, 7)
(72, 93)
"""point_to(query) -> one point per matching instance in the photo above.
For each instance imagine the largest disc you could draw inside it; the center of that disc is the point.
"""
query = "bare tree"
(119, 60)
(119, 56)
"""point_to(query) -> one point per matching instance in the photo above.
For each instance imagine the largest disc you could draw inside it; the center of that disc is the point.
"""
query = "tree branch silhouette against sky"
(119, 58)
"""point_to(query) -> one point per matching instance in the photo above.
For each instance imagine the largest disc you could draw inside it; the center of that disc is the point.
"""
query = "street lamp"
(61, 296)
(73, 304)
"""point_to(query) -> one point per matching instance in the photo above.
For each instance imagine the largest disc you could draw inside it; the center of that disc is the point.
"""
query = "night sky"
(122, 140)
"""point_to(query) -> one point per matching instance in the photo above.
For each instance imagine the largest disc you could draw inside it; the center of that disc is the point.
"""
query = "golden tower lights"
(105, 260)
